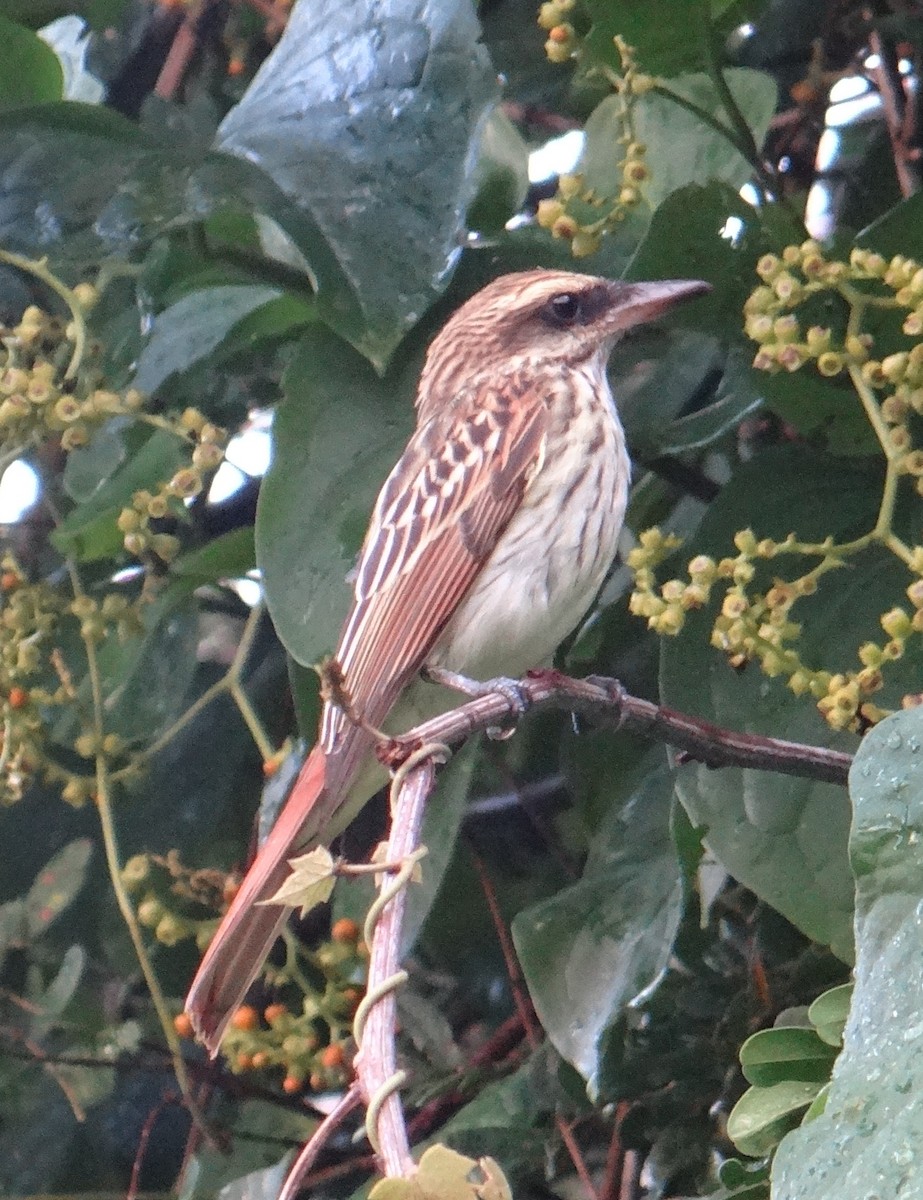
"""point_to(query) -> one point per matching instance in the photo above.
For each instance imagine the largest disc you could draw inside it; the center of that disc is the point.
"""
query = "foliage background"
(287, 240)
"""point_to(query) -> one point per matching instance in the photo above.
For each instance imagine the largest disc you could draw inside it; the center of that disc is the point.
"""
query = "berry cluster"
(562, 43)
(140, 539)
(313, 1046)
(578, 213)
(755, 618)
(35, 678)
(758, 627)
(175, 901)
(42, 394)
(29, 618)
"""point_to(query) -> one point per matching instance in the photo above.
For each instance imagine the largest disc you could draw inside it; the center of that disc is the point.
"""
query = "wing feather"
(437, 519)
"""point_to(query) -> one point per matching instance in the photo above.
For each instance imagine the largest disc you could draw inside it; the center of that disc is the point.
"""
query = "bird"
(486, 546)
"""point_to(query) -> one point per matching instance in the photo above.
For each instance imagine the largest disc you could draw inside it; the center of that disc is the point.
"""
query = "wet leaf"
(866, 1140)
(368, 117)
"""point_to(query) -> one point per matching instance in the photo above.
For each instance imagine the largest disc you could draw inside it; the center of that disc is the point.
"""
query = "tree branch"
(412, 760)
(607, 701)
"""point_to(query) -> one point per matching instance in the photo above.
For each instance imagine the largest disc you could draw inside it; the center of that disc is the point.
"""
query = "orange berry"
(353, 998)
(260, 1060)
(10, 581)
(270, 766)
(332, 1056)
(559, 34)
(182, 1025)
(804, 92)
(273, 1012)
(245, 1062)
(236, 67)
(246, 1018)
(291, 1084)
(19, 697)
(317, 1081)
(345, 930)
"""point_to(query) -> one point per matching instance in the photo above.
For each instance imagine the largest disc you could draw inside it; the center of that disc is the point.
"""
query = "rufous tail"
(249, 928)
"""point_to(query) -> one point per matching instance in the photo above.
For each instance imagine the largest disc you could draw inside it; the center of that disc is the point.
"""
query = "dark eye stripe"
(576, 308)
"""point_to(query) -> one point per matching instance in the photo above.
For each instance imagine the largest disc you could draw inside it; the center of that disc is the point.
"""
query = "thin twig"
(350, 1100)
(517, 983)
(631, 1176)
(103, 801)
(499, 1046)
(895, 107)
(35, 1053)
(181, 52)
(527, 1015)
(134, 1183)
(615, 1157)
(608, 701)
(743, 134)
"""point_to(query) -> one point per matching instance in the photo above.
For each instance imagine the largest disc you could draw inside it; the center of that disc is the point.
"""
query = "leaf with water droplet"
(864, 1141)
(368, 117)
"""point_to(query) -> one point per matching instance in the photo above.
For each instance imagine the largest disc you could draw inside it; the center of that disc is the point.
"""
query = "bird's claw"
(512, 691)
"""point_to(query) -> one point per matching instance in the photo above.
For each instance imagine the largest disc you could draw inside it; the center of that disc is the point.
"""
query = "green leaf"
(866, 1141)
(443, 1174)
(739, 1178)
(736, 397)
(898, 231)
(784, 838)
(188, 331)
(60, 991)
(367, 117)
(823, 409)
(589, 950)
(29, 69)
(505, 1118)
(229, 556)
(668, 35)
(689, 238)
(763, 1115)
(147, 679)
(56, 885)
(118, 187)
(12, 925)
(681, 148)
(655, 375)
(829, 1013)
(250, 1168)
(502, 177)
(335, 437)
(88, 467)
(775, 1055)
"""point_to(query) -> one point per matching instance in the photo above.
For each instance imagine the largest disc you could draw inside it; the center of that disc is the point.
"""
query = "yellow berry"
(548, 212)
(564, 227)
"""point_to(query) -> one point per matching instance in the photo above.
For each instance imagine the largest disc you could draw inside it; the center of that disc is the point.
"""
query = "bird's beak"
(635, 303)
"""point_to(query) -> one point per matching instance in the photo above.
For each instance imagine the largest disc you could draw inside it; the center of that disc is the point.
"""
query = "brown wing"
(438, 517)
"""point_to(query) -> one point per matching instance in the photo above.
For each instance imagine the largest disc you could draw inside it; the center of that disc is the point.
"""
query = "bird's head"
(543, 317)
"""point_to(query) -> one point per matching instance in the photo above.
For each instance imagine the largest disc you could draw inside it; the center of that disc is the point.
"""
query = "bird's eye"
(564, 309)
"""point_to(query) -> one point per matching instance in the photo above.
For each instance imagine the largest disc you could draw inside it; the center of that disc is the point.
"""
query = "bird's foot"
(511, 690)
